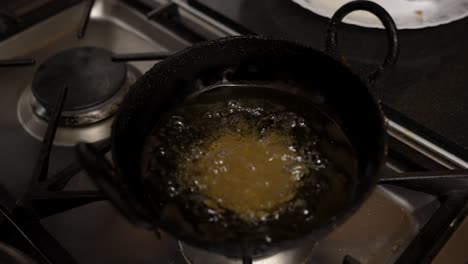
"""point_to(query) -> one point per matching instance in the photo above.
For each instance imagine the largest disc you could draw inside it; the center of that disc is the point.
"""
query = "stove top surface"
(95, 232)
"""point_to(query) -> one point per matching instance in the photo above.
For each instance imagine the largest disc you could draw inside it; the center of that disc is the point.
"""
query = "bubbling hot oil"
(245, 172)
(247, 160)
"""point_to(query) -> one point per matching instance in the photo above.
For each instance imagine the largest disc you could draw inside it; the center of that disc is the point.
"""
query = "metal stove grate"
(46, 195)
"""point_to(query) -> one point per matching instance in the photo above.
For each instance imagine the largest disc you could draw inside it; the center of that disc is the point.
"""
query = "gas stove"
(62, 80)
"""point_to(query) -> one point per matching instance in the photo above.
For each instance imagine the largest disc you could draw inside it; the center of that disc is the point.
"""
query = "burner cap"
(92, 78)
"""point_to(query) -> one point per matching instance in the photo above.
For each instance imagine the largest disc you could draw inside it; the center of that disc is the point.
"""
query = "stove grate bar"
(350, 260)
(428, 242)
(24, 222)
(144, 56)
(167, 10)
(247, 260)
(433, 182)
(85, 19)
(50, 203)
(58, 181)
(42, 165)
(17, 62)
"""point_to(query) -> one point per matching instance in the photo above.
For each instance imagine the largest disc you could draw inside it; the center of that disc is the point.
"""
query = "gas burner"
(299, 255)
(93, 81)
(96, 86)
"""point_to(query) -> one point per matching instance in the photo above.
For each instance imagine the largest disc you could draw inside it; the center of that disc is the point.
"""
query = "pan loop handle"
(331, 41)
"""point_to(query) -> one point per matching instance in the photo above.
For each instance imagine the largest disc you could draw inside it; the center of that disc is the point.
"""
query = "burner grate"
(46, 195)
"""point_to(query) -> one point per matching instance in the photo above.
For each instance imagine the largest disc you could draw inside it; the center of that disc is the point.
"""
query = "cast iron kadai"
(276, 61)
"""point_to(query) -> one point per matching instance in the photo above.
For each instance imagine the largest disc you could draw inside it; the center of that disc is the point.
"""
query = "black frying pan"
(205, 64)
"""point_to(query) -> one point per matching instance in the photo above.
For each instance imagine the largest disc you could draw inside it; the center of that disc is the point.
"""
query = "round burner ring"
(83, 117)
(90, 74)
(36, 125)
(94, 84)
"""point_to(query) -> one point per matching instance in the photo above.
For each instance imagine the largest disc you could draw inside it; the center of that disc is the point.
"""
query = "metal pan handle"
(104, 175)
(389, 25)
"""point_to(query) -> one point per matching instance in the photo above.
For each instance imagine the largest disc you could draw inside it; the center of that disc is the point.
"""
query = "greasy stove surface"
(94, 233)
(112, 27)
(97, 233)
(429, 82)
(377, 233)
